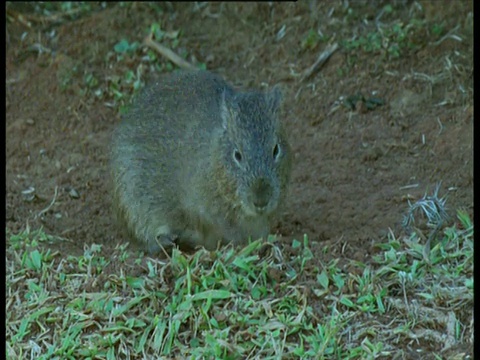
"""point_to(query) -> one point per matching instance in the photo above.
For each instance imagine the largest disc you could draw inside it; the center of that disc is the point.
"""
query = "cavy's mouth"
(251, 210)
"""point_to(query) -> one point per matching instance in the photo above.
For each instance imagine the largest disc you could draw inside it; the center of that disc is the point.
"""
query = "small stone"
(73, 193)
(29, 194)
(28, 191)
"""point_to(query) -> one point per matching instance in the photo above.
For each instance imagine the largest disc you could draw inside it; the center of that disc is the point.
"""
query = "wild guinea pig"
(195, 162)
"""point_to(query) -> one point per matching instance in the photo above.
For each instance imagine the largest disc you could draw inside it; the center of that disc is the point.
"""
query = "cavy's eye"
(237, 155)
(276, 151)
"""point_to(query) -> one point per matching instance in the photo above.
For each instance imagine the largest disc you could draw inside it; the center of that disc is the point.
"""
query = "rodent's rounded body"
(196, 163)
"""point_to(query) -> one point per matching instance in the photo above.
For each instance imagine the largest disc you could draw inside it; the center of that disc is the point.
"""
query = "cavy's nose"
(261, 193)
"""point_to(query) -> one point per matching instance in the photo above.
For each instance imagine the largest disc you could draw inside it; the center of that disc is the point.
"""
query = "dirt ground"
(354, 169)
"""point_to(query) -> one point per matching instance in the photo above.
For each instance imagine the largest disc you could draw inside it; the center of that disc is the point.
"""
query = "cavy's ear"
(274, 99)
(228, 109)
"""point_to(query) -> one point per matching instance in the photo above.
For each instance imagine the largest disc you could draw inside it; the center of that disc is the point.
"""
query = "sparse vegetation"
(389, 37)
(294, 298)
(246, 303)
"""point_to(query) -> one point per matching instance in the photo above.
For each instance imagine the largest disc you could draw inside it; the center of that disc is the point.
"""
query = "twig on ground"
(169, 54)
(51, 204)
(449, 35)
(322, 58)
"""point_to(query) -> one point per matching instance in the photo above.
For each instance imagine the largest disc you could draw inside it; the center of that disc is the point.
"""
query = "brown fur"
(195, 162)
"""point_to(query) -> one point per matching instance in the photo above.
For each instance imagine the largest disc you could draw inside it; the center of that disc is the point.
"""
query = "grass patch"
(386, 34)
(261, 302)
(389, 41)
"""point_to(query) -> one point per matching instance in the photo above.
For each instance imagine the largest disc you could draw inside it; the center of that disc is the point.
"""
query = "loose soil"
(355, 169)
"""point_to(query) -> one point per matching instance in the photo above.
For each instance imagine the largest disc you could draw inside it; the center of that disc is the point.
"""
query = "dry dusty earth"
(355, 168)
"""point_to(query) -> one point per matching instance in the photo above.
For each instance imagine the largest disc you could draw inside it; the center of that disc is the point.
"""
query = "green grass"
(259, 302)
(390, 34)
